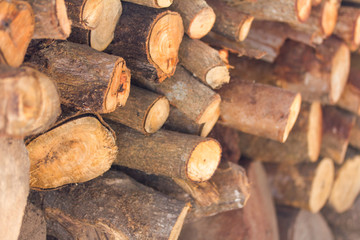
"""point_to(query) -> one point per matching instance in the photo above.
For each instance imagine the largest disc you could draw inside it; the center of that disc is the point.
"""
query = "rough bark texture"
(152, 3)
(14, 188)
(113, 207)
(348, 26)
(29, 101)
(84, 14)
(33, 224)
(355, 134)
(17, 28)
(88, 80)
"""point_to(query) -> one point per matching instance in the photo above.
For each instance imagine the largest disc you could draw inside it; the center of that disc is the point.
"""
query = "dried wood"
(33, 224)
(152, 3)
(348, 26)
(85, 13)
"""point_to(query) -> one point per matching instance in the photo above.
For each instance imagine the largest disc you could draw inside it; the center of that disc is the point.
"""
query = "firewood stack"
(106, 107)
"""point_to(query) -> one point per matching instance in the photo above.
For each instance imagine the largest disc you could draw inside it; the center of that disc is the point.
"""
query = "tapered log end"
(164, 3)
(203, 160)
(356, 39)
(329, 17)
(176, 230)
(157, 115)
(244, 28)
(202, 23)
(322, 184)
(209, 125)
(164, 42)
(64, 22)
(217, 76)
(303, 9)
(293, 114)
(346, 186)
(340, 69)
(76, 151)
(91, 13)
(314, 134)
(210, 112)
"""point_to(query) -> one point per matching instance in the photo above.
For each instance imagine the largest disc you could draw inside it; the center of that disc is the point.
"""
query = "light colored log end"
(356, 38)
(92, 12)
(164, 3)
(245, 28)
(64, 22)
(339, 72)
(176, 230)
(303, 9)
(322, 184)
(157, 115)
(329, 17)
(209, 125)
(202, 23)
(314, 132)
(217, 76)
(203, 161)
(211, 110)
(293, 114)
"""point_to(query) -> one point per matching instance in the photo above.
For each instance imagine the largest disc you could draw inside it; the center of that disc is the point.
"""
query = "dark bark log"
(355, 134)
(348, 26)
(33, 224)
(85, 14)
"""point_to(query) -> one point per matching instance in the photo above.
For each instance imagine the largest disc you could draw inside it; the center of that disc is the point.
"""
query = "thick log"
(29, 101)
(348, 26)
(113, 207)
(152, 3)
(318, 74)
(51, 20)
(197, 15)
(167, 153)
(77, 149)
(315, 2)
(144, 111)
(17, 28)
(85, 13)
(198, 102)
(355, 134)
(204, 62)
(14, 187)
(33, 224)
(306, 185)
(259, 109)
(257, 220)
(302, 145)
(337, 126)
(295, 224)
(347, 183)
(149, 40)
(88, 80)
(229, 22)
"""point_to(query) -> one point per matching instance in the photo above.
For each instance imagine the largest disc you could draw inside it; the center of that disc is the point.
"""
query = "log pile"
(179, 119)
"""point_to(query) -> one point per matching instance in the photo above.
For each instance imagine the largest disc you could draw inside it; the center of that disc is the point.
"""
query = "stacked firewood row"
(106, 107)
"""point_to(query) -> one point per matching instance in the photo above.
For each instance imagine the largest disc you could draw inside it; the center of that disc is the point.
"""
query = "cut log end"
(322, 184)
(157, 115)
(314, 133)
(211, 110)
(217, 76)
(303, 9)
(176, 230)
(92, 12)
(329, 17)
(209, 125)
(64, 22)
(164, 3)
(202, 23)
(293, 114)
(356, 39)
(164, 42)
(203, 160)
(339, 72)
(245, 28)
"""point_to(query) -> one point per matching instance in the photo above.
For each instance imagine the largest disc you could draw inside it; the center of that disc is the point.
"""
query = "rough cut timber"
(257, 220)
(51, 20)
(259, 109)
(167, 153)
(337, 126)
(29, 101)
(302, 145)
(33, 224)
(204, 62)
(17, 28)
(144, 111)
(197, 15)
(85, 13)
(77, 149)
(14, 187)
(348, 26)
(306, 185)
(296, 224)
(113, 207)
(229, 22)
(197, 101)
(149, 40)
(347, 182)
(318, 74)
(355, 134)
(88, 80)
(152, 3)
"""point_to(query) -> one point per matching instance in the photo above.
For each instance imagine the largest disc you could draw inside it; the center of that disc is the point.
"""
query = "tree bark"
(85, 14)
(167, 153)
(144, 111)
(197, 15)
(198, 102)
(259, 109)
(33, 224)
(14, 188)
(51, 20)
(76, 149)
(348, 26)
(29, 101)
(16, 31)
(152, 3)
(114, 207)
(337, 125)
(355, 134)
(149, 40)
(88, 80)
(305, 186)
